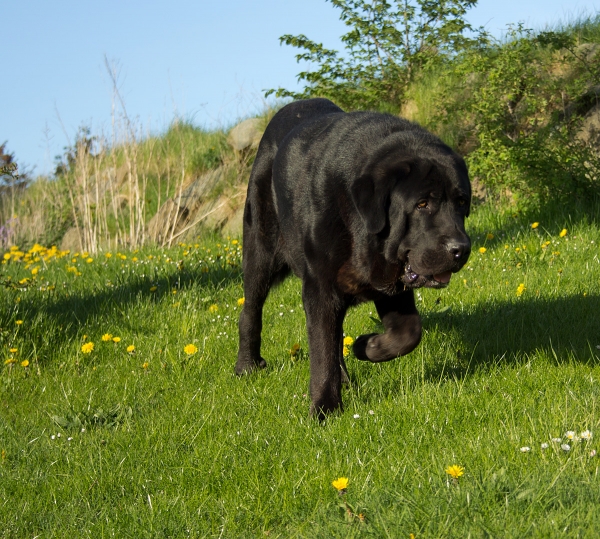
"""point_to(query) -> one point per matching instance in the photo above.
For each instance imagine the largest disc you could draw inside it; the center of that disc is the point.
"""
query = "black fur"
(361, 206)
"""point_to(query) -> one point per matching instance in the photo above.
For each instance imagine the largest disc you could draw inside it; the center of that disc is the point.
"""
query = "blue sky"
(205, 60)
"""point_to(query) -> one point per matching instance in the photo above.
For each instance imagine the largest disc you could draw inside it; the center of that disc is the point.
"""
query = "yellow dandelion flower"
(345, 351)
(13, 350)
(455, 471)
(213, 308)
(10, 361)
(348, 341)
(482, 250)
(25, 363)
(6, 256)
(34, 271)
(341, 483)
(535, 225)
(106, 337)
(18, 322)
(241, 301)
(520, 289)
(190, 349)
(108, 255)
(89, 260)
(490, 236)
(87, 347)
(130, 348)
(116, 339)
(563, 233)
(153, 288)
(145, 365)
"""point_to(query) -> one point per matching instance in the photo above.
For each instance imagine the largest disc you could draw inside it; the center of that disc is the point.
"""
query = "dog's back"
(288, 118)
(259, 202)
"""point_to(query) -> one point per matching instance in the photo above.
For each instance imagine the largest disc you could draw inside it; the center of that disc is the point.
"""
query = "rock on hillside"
(179, 217)
(246, 134)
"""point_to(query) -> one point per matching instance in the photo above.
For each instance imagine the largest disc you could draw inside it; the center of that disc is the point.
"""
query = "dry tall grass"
(108, 187)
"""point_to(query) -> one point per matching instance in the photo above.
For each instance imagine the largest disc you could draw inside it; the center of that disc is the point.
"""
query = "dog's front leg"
(402, 324)
(324, 320)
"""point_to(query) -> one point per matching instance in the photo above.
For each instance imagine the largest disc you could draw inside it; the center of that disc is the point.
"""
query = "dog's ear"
(371, 193)
(371, 202)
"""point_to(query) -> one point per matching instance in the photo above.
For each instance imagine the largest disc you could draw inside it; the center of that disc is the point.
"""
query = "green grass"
(156, 443)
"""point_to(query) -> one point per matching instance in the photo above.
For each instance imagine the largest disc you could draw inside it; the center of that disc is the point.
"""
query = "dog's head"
(413, 196)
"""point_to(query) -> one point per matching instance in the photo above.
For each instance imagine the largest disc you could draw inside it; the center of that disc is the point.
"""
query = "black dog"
(361, 206)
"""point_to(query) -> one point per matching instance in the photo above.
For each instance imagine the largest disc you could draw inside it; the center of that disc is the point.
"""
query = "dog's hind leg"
(345, 375)
(402, 324)
(263, 267)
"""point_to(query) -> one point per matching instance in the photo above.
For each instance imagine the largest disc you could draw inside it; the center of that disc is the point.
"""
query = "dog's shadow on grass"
(564, 329)
(72, 312)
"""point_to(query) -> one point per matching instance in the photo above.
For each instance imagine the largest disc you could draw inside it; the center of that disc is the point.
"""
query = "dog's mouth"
(412, 279)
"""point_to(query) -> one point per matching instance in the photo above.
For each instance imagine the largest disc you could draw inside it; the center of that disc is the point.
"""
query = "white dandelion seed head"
(356, 416)
(525, 449)
(565, 447)
(545, 445)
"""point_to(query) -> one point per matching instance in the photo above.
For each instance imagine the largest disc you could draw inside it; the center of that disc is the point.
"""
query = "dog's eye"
(423, 205)
(461, 201)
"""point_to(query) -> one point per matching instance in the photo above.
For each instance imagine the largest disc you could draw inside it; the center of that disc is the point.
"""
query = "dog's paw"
(324, 407)
(360, 346)
(377, 348)
(247, 366)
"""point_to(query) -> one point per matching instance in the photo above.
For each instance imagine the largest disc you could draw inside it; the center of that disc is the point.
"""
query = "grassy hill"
(121, 415)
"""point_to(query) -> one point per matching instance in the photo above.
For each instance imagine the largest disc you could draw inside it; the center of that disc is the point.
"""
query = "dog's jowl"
(360, 206)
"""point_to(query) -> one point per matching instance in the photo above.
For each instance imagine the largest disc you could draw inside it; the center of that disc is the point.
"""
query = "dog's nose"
(460, 250)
